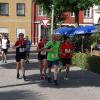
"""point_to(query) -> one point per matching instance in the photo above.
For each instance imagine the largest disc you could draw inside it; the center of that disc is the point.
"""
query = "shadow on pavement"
(76, 79)
(20, 95)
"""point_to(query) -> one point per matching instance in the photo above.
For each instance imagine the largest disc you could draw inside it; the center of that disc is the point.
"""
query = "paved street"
(82, 85)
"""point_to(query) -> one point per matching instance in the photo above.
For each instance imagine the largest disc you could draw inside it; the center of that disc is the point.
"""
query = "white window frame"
(41, 11)
(20, 9)
(88, 13)
(4, 30)
(72, 14)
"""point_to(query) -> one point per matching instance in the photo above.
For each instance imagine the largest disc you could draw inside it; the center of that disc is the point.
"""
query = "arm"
(39, 50)
(16, 45)
(48, 47)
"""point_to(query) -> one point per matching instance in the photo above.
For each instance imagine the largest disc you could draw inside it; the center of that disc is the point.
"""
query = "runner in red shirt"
(66, 55)
(20, 46)
(42, 58)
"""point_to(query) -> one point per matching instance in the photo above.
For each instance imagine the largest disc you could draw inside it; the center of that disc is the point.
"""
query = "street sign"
(45, 22)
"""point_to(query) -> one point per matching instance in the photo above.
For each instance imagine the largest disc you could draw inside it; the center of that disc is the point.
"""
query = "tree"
(77, 5)
(61, 6)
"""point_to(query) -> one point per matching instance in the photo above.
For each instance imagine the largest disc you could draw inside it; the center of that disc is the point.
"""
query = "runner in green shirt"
(52, 47)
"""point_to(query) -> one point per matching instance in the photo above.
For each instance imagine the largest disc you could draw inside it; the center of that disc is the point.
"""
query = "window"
(87, 13)
(4, 30)
(41, 11)
(4, 9)
(72, 14)
(20, 9)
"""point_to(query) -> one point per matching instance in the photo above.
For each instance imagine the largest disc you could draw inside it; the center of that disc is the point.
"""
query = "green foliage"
(61, 6)
(80, 59)
(96, 36)
(85, 61)
(93, 63)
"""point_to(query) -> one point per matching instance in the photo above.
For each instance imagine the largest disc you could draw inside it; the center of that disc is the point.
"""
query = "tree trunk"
(77, 18)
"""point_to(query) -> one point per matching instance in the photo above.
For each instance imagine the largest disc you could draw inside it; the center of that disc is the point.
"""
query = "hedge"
(86, 61)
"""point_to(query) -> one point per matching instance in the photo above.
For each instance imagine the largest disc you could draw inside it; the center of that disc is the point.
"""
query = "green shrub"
(93, 63)
(80, 59)
(86, 61)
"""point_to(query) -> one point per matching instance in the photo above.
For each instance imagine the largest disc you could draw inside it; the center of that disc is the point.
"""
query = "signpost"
(45, 22)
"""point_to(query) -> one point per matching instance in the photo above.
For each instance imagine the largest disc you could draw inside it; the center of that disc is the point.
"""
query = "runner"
(20, 46)
(66, 55)
(28, 46)
(0, 47)
(42, 58)
(52, 47)
(5, 43)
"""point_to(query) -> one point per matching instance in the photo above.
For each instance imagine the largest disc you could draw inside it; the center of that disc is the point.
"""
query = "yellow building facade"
(15, 17)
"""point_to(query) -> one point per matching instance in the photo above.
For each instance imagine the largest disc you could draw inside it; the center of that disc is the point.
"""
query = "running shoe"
(60, 70)
(18, 75)
(66, 77)
(27, 61)
(55, 82)
(49, 79)
(45, 77)
(41, 77)
(24, 77)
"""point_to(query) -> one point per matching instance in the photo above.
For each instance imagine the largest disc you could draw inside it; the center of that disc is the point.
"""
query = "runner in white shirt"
(4, 46)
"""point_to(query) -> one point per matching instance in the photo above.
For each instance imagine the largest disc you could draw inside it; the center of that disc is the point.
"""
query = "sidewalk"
(82, 85)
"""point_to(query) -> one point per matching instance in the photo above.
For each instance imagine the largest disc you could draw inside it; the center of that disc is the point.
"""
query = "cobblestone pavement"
(81, 85)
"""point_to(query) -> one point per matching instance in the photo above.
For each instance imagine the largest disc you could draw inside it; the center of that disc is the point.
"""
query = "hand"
(48, 50)
(18, 46)
(42, 49)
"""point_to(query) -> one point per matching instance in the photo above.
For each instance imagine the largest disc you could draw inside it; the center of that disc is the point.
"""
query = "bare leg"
(5, 57)
(17, 68)
(55, 72)
(49, 72)
(41, 67)
(2, 54)
(22, 62)
(45, 65)
(67, 69)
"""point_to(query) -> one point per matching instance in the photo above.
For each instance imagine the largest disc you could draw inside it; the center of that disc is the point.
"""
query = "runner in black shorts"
(66, 55)
(42, 58)
(66, 61)
(20, 46)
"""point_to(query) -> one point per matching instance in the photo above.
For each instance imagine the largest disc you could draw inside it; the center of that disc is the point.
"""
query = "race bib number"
(21, 49)
(43, 53)
(54, 56)
(67, 50)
